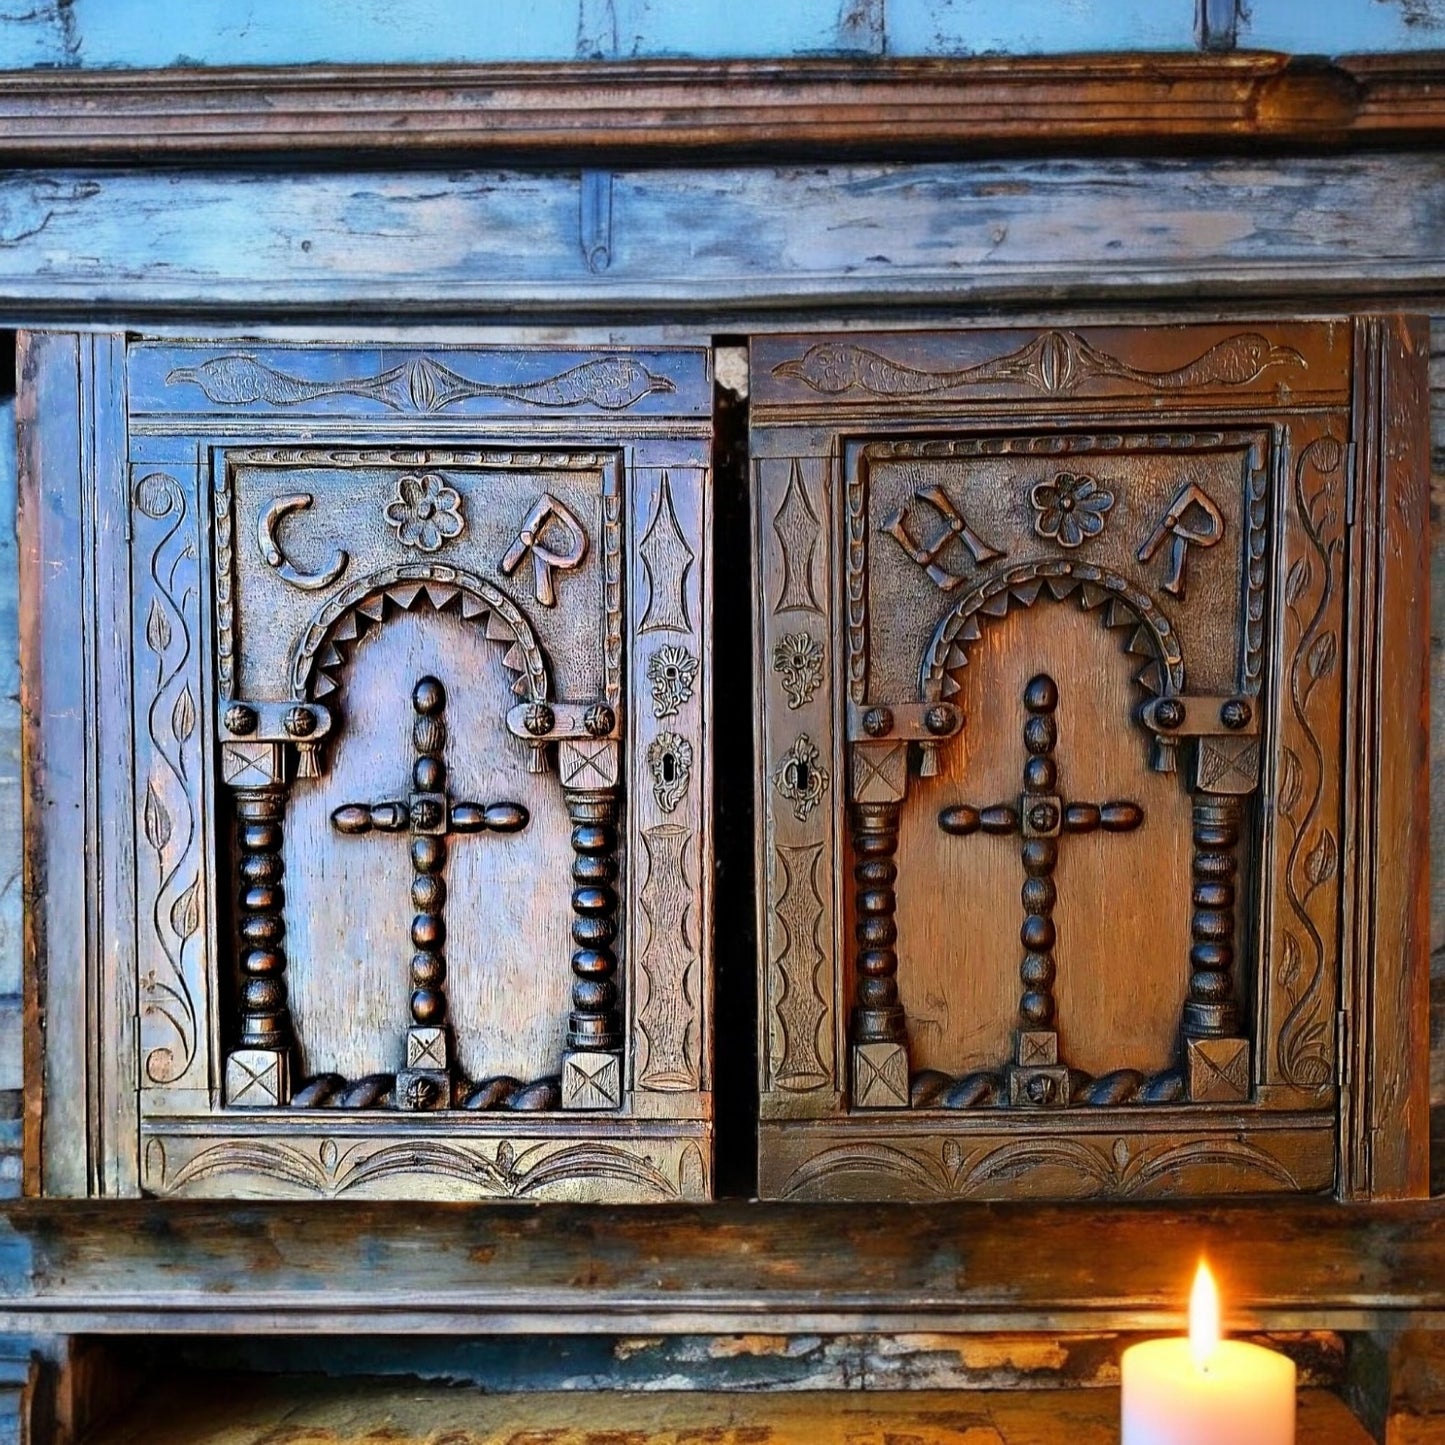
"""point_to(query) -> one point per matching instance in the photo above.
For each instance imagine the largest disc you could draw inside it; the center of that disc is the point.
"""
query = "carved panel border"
(507, 1162)
(1119, 1160)
(670, 926)
(172, 707)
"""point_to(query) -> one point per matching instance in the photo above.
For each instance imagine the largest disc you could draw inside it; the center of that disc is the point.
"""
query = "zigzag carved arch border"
(349, 614)
(1123, 604)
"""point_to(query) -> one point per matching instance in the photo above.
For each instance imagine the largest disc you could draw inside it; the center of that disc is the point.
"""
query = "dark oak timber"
(373, 1269)
(815, 108)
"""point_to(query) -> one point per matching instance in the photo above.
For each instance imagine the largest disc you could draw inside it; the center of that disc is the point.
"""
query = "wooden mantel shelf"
(384, 1268)
(711, 110)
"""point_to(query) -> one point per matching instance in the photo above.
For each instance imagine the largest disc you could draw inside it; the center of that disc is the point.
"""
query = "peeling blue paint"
(159, 33)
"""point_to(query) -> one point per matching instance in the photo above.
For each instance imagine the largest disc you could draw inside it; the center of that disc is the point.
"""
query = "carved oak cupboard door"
(419, 781)
(1068, 643)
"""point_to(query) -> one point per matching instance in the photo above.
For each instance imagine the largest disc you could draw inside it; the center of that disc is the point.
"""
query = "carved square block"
(880, 772)
(591, 1080)
(1040, 816)
(253, 765)
(1066, 599)
(420, 1090)
(426, 1048)
(1224, 764)
(1036, 1047)
(257, 1079)
(1038, 1088)
(1218, 1070)
(880, 1076)
(587, 762)
(428, 814)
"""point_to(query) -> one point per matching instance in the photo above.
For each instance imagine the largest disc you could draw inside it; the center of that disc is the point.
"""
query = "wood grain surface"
(372, 1269)
(818, 109)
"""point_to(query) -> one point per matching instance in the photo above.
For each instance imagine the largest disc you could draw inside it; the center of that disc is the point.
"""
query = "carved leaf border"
(1304, 1044)
(506, 1172)
(168, 819)
(1101, 1169)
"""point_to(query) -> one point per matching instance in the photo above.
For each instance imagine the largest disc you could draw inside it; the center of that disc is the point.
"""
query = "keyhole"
(800, 775)
(669, 768)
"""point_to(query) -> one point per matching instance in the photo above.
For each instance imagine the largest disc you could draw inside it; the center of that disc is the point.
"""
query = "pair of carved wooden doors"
(370, 839)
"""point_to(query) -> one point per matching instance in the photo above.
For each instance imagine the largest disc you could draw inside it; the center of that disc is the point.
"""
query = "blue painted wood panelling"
(145, 33)
(982, 27)
(1338, 27)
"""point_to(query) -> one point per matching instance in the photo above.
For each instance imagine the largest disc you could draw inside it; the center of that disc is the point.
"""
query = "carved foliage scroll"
(170, 867)
(1307, 782)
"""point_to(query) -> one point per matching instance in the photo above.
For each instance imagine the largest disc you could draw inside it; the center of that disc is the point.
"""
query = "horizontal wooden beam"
(665, 110)
(384, 245)
(354, 1266)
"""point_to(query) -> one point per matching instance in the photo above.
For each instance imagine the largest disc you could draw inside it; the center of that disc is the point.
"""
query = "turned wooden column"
(877, 1014)
(258, 1070)
(1211, 1010)
(595, 1021)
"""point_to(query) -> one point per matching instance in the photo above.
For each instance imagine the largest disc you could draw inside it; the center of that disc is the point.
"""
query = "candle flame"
(1203, 1317)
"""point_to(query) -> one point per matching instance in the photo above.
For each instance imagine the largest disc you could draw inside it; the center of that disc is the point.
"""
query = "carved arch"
(1119, 602)
(345, 617)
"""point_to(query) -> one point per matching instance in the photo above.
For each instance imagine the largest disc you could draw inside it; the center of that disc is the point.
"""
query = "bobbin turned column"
(258, 742)
(258, 1071)
(1216, 1051)
(592, 1064)
(879, 1037)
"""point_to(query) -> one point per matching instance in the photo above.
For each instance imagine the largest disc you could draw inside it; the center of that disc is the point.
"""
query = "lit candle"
(1205, 1390)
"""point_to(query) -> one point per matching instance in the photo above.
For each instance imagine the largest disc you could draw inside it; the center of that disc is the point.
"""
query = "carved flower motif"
(1070, 508)
(425, 511)
(798, 661)
(671, 671)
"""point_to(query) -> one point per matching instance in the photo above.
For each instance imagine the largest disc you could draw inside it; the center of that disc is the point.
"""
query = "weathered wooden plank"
(801, 109)
(231, 1411)
(473, 243)
(733, 1268)
(72, 450)
(1386, 1156)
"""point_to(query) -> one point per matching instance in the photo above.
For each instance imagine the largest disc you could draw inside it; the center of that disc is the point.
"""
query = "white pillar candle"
(1204, 1390)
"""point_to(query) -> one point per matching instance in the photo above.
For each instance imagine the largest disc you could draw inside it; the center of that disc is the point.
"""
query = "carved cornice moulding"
(667, 110)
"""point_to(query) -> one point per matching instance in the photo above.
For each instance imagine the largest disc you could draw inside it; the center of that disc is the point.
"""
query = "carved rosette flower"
(798, 661)
(672, 672)
(425, 511)
(1070, 509)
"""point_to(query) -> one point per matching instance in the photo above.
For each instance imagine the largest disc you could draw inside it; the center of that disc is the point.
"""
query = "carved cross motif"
(1192, 520)
(430, 815)
(545, 511)
(955, 525)
(1039, 817)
